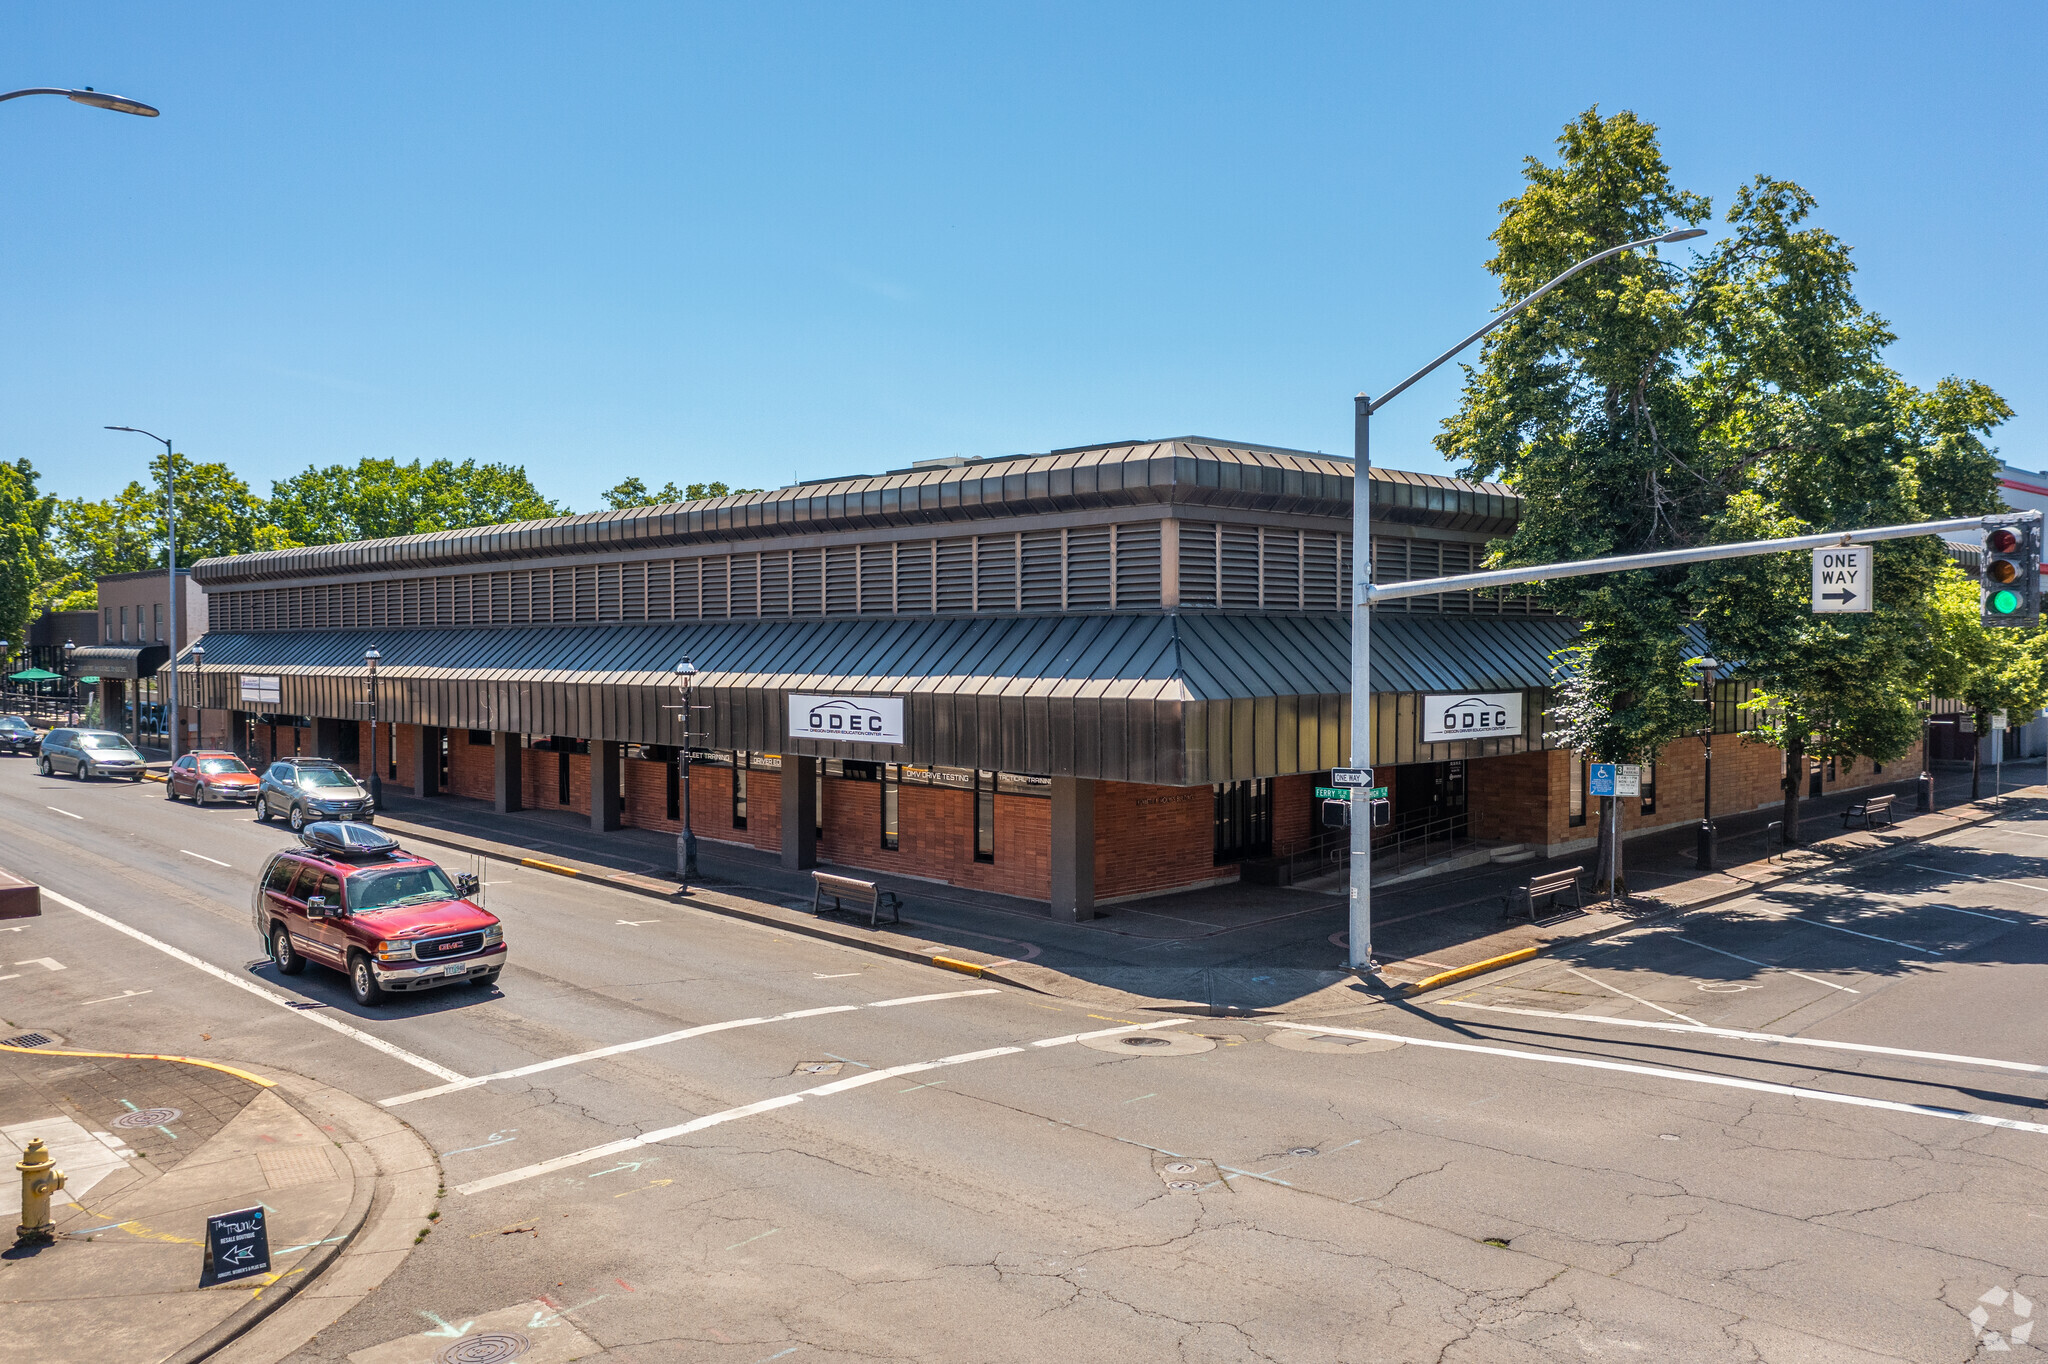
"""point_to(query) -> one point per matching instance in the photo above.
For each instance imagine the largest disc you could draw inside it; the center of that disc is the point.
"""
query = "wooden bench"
(1548, 886)
(864, 895)
(1870, 812)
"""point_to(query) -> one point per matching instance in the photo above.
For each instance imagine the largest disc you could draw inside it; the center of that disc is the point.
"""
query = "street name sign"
(1340, 793)
(237, 1245)
(1351, 776)
(1842, 579)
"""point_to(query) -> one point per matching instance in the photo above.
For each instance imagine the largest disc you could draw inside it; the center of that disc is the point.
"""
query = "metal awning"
(127, 661)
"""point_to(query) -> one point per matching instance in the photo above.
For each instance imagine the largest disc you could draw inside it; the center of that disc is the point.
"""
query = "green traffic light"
(2005, 603)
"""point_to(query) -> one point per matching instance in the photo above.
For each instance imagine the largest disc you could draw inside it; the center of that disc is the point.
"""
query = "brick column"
(426, 760)
(508, 781)
(1073, 848)
(604, 785)
(799, 812)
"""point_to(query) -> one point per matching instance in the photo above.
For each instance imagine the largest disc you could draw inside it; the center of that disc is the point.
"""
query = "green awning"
(90, 681)
(35, 675)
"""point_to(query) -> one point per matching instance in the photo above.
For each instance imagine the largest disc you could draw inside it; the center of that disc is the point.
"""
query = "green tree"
(1988, 670)
(126, 533)
(379, 498)
(632, 492)
(25, 514)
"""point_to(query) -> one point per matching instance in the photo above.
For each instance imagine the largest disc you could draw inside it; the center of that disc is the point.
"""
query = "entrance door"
(1430, 794)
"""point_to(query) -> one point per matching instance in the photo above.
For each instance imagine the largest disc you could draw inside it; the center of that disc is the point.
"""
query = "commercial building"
(138, 633)
(1083, 677)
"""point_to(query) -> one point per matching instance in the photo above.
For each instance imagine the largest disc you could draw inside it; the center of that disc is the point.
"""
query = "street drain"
(149, 1117)
(28, 1039)
(492, 1347)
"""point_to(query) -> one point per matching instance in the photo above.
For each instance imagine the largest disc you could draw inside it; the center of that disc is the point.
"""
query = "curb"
(1521, 955)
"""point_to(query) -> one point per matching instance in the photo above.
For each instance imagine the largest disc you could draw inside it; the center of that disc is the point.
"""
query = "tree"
(126, 533)
(1646, 406)
(379, 498)
(632, 492)
(24, 527)
(1988, 670)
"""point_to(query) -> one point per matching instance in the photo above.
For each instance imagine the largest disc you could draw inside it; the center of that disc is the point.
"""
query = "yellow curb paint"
(555, 867)
(966, 968)
(1476, 968)
(148, 1056)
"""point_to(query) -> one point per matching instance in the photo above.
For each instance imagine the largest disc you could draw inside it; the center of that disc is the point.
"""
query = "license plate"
(454, 968)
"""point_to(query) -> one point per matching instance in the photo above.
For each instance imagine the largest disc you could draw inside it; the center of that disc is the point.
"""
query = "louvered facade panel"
(1045, 553)
(1280, 570)
(519, 594)
(807, 582)
(610, 592)
(842, 580)
(775, 582)
(743, 591)
(1197, 563)
(661, 590)
(956, 574)
(1321, 589)
(689, 597)
(877, 580)
(1239, 570)
(1088, 571)
(914, 576)
(1137, 567)
(995, 573)
(716, 600)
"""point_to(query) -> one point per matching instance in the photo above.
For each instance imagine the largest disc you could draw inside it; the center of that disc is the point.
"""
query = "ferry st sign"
(1843, 579)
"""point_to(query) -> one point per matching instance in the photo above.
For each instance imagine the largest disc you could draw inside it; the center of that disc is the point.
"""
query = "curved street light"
(171, 573)
(98, 99)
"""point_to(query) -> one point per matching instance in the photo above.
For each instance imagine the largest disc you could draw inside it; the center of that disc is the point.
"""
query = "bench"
(1870, 812)
(864, 895)
(1548, 886)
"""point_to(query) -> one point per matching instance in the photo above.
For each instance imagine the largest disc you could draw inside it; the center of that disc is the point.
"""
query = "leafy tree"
(379, 498)
(1988, 670)
(24, 525)
(632, 492)
(126, 533)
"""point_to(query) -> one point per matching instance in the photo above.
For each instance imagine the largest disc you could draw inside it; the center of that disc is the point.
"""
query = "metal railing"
(1418, 844)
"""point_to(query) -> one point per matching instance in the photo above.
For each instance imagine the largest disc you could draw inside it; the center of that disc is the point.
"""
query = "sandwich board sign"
(1842, 579)
(237, 1245)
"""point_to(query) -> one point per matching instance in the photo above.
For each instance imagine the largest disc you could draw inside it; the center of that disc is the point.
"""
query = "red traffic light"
(2001, 542)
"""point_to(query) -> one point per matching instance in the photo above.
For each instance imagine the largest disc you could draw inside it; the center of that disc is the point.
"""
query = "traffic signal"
(2011, 582)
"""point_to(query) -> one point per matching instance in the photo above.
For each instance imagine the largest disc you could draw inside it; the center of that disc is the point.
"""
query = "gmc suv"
(353, 900)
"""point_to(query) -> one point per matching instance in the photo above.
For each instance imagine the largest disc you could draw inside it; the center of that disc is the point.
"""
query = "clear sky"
(760, 241)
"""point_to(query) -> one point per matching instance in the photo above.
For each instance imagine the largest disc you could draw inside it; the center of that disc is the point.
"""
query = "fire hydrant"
(40, 1178)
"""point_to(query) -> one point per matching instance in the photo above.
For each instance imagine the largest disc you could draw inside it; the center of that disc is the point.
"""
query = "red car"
(206, 777)
(352, 899)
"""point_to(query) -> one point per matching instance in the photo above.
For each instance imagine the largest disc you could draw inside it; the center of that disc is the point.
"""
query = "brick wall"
(935, 837)
(539, 775)
(472, 768)
(1154, 838)
(407, 736)
(1512, 799)
(646, 804)
(1297, 815)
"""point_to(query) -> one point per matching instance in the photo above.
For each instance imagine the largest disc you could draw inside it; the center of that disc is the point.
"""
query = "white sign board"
(851, 719)
(262, 690)
(1628, 779)
(1842, 579)
(1471, 715)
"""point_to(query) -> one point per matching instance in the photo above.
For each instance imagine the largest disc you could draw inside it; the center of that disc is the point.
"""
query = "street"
(697, 1138)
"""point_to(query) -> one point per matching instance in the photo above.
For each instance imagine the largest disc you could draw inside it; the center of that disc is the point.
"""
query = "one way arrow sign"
(1842, 579)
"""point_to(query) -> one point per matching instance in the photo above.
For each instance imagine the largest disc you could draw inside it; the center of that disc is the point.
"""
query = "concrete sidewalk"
(150, 1146)
(1220, 950)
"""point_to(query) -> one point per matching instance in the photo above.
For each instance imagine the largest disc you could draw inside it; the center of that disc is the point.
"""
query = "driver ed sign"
(1471, 715)
(851, 719)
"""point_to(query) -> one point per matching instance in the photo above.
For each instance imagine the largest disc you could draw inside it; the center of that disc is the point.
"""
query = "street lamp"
(71, 688)
(1709, 667)
(120, 104)
(171, 558)
(198, 697)
(370, 658)
(1361, 598)
(686, 841)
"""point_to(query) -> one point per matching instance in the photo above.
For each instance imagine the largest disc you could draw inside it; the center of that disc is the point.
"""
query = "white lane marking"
(47, 963)
(1967, 876)
(613, 1148)
(682, 1034)
(1689, 1076)
(203, 857)
(1741, 1035)
(125, 994)
(66, 813)
(321, 1020)
(1789, 916)
(1766, 965)
(1626, 995)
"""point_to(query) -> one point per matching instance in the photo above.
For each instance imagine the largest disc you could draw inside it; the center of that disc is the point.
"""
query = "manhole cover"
(1161, 1043)
(1329, 1044)
(149, 1117)
(492, 1347)
(1183, 1186)
(1181, 1167)
(818, 1067)
(1303, 1151)
(28, 1039)
(1143, 1042)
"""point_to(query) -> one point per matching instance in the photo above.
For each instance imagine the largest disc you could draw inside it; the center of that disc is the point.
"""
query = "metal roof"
(1170, 473)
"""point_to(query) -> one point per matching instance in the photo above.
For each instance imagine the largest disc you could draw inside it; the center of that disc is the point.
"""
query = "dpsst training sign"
(261, 689)
(851, 719)
(1471, 715)
(237, 1245)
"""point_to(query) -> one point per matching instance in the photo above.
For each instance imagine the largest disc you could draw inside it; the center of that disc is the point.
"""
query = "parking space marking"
(1967, 876)
(1741, 1035)
(1766, 965)
(66, 813)
(683, 1034)
(322, 1020)
(1689, 1076)
(613, 1148)
(1626, 995)
(203, 857)
(1792, 916)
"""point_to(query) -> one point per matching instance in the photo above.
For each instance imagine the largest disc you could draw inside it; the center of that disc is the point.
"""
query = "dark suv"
(307, 789)
(352, 899)
(18, 735)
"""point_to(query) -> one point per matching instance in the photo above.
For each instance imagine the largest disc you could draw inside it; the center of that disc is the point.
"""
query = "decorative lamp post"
(370, 658)
(198, 697)
(686, 841)
(71, 701)
(1709, 668)
(171, 561)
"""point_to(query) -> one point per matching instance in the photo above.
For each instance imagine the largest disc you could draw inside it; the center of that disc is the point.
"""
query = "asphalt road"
(1557, 1163)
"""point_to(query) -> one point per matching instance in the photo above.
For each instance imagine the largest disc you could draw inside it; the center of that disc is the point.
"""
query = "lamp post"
(171, 571)
(370, 658)
(119, 104)
(686, 841)
(198, 697)
(71, 697)
(1709, 668)
(1361, 593)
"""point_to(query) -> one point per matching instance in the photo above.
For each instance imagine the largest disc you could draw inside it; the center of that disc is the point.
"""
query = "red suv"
(352, 899)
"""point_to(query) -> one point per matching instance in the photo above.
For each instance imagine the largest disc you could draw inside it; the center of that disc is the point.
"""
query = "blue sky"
(775, 240)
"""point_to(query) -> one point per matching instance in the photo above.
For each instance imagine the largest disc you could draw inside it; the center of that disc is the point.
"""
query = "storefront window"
(984, 816)
(892, 781)
(1649, 788)
(1576, 802)
(1244, 820)
(739, 792)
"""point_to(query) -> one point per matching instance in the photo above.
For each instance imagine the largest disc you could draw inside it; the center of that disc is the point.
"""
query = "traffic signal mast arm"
(1699, 554)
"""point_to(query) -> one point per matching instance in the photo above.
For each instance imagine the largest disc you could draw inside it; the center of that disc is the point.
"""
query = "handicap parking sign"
(1601, 781)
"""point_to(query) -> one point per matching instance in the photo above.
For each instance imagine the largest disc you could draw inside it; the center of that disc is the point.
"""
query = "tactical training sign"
(1842, 579)
(263, 690)
(237, 1245)
(850, 719)
(1471, 715)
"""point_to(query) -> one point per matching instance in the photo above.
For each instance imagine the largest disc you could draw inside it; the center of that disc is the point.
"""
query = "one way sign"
(1842, 579)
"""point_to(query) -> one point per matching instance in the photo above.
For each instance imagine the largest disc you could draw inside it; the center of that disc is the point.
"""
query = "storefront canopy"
(126, 661)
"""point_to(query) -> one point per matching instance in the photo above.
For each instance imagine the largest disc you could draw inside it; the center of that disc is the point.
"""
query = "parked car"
(207, 777)
(18, 735)
(304, 790)
(350, 898)
(84, 753)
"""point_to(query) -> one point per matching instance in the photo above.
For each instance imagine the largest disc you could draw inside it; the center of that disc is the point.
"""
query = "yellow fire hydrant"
(40, 1178)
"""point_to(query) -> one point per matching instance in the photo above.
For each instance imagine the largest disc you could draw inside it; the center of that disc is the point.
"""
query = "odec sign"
(1471, 715)
(849, 719)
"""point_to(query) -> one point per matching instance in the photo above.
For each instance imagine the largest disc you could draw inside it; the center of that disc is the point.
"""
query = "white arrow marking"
(125, 994)
(445, 1328)
(47, 963)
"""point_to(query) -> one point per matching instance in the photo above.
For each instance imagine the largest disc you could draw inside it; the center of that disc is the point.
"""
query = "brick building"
(1080, 677)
